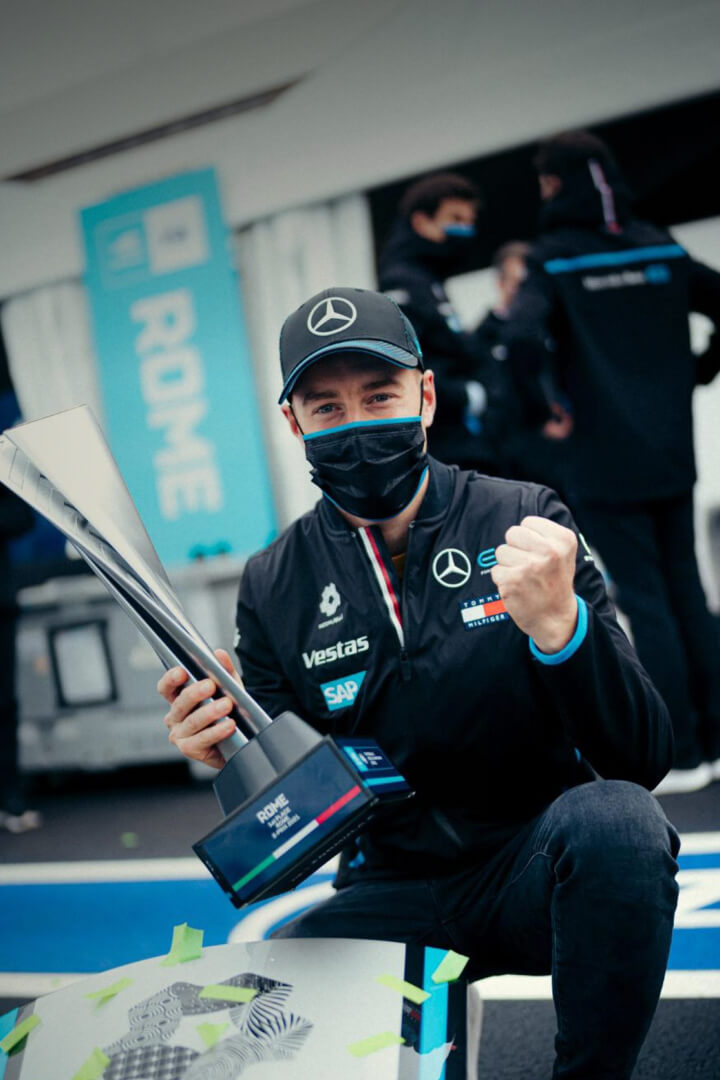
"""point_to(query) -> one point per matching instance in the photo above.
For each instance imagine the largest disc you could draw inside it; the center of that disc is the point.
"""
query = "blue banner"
(180, 403)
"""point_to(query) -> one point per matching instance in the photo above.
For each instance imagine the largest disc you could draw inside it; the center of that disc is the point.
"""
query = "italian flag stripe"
(289, 844)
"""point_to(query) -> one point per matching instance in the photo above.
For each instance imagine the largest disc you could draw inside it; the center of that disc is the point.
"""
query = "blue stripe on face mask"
(458, 229)
(362, 424)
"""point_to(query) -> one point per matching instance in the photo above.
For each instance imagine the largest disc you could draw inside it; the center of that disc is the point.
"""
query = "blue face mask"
(458, 229)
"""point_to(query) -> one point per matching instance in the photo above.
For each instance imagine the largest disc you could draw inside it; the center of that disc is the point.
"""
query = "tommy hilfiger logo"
(483, 610)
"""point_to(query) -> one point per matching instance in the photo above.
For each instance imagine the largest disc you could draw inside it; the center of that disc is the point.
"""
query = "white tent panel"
(107, 81)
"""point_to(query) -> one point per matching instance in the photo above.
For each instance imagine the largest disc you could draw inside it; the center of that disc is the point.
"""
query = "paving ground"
(76, 918)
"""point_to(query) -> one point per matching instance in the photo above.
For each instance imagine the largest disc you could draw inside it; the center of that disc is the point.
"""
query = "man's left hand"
(534, 575)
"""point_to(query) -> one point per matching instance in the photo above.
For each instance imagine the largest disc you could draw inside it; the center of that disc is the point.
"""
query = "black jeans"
(649, 551)
(587, 894)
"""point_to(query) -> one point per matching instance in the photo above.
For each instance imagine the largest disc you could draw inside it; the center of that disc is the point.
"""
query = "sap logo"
(270, 809)
(336, 652)
(342, 693)
(487, 559)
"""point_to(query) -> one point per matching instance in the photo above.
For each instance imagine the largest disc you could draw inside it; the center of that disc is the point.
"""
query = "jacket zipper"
(405, 662)
(392, 602)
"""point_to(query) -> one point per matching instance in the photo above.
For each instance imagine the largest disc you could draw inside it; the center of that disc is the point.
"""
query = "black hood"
(593, 195)
(405, 245)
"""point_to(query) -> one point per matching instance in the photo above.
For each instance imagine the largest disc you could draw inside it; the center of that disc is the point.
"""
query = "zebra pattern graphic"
(263, 1032)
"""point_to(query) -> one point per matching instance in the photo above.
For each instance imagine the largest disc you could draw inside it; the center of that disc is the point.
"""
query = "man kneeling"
(474, 640)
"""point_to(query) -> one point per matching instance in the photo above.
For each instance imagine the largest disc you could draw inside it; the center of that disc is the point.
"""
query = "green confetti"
(450, 967)
(374, 1043)
(129, 839)
(210, 1033)
(228, 993)
(186, 945)
(109, 991)
(407, 989)
(93, 1067)
(18, 1033)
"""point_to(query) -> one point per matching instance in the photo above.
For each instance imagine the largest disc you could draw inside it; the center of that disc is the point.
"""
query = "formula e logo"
(338, 651)
(487, 559)
(342, 693)
(330, 600)
(331, 316)
(451, 568)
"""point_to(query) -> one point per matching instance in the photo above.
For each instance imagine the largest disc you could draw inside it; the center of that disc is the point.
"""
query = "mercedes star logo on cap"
(451, 568)
(331, 316)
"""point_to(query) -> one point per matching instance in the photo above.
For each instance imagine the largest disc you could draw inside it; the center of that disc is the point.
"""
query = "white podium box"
(320, 1009)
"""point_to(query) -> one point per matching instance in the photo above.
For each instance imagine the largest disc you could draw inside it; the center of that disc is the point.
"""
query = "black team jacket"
(412, 271)
(614, 294)
(486, 733)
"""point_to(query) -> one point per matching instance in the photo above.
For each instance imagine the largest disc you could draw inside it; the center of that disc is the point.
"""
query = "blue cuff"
(573, 644)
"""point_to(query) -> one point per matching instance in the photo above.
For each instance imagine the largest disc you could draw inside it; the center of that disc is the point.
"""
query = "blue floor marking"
(98, 925)
(709, 861)
(93, 926)
(695, 950)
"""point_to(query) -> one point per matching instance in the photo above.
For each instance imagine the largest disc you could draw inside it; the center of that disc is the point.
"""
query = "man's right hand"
(194, 723)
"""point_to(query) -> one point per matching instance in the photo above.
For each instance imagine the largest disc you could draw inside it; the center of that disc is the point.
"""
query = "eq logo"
(341, 693)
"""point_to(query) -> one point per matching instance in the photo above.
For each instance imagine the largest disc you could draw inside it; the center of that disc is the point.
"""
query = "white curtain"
(282, 262)
(50, 351)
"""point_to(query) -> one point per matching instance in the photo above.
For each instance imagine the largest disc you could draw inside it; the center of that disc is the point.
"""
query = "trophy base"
(267, 756)
(294, 807)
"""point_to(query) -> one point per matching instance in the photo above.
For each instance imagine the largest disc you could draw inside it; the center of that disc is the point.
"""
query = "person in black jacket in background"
(526, 452)
(614, 294)
(430, 242)
(475, 642)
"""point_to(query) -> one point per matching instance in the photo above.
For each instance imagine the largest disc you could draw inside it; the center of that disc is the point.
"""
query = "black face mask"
(371, 469)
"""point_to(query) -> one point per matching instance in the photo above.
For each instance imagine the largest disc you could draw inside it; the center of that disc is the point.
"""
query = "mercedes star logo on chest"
(451, 568)
(331, 316)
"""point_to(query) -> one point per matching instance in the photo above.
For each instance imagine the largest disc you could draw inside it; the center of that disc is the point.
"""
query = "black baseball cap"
(345, 320)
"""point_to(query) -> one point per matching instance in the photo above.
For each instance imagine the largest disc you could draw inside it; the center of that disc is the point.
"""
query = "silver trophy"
(291, 797)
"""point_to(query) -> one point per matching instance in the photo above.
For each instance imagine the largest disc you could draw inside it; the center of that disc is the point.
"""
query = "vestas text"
(336, 652)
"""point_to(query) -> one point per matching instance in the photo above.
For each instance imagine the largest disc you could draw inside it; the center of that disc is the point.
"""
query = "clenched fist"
(534, 575)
